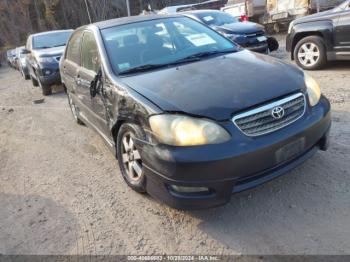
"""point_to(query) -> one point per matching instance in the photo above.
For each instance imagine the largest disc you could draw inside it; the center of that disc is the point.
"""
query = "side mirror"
(96, 84)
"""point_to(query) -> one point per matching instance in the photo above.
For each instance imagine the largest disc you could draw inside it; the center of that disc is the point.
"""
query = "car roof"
(131, 19)
(51, 32)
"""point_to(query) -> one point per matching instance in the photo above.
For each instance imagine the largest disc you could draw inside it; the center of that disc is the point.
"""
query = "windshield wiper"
(190, 58)
(209, 53)
(59, 45)
(142, 68)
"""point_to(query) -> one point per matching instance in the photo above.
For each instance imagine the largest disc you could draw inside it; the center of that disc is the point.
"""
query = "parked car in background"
(187, 111)
(11, 54)
(44, 51)
(21, 63)
(313, 40)
(18, 52)
(247, 34)
(276, 15)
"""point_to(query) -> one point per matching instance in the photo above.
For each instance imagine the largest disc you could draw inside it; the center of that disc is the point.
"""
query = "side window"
(73, 48)
(90, 58)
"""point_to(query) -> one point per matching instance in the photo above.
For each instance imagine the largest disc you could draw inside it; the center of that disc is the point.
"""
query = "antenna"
(87, 9)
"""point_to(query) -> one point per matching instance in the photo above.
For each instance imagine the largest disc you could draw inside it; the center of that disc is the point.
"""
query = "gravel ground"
(61, 191)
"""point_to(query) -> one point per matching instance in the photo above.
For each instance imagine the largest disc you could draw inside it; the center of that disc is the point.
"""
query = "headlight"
(47, 60)
(313, 89)
(230, 36)
(180, 130)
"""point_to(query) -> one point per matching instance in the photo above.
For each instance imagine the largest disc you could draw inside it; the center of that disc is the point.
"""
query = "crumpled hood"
(240, 28)
(219, 87)
(54, 51)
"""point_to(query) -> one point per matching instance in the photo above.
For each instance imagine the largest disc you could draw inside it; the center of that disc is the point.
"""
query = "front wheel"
(129, 157)
(34, 81)
(46, 89)
(310, 53)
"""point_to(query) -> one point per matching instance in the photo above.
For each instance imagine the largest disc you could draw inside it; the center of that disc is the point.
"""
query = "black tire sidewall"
(136, 131)
(34, 81)
(46, 89)
(318, 41)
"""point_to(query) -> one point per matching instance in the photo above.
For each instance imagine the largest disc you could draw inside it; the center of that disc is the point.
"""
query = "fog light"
(188, 189)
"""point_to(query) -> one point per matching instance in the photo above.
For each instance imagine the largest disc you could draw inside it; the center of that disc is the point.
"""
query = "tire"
(34, 81)
(74, 109)
(129, 157)
(26, 77)
(46, 89)
(310, 53)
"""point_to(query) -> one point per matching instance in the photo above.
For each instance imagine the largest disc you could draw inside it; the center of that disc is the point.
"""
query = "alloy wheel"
(131, 158)
(309, 54)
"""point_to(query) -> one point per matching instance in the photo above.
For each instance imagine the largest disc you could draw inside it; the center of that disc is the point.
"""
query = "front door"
(90, 65)
(342, 31)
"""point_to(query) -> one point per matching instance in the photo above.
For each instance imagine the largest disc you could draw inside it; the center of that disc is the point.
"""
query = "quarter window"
(73, 48)
(89, 53)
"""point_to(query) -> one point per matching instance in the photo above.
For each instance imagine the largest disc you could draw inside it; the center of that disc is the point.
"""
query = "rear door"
(342, 31)
(90, 65)
(71, 64)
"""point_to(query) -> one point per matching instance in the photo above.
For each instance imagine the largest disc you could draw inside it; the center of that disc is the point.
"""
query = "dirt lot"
(61, 191)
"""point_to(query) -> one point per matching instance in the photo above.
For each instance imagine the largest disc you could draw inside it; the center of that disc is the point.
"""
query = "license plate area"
(290, 150)
(261, 38)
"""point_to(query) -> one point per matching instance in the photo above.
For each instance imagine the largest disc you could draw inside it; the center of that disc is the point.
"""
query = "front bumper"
(240, 164)
(54, 78)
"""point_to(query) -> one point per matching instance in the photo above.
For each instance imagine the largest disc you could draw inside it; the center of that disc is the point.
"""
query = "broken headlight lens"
(180, 130)
(313, 90)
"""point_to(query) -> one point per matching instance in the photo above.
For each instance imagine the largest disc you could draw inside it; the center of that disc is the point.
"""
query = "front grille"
(261, 120)
(255, 35)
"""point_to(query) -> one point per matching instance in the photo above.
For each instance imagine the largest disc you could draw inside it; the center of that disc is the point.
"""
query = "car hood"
(240, 28)
(315, 17)
(54, 51)
(219, 87)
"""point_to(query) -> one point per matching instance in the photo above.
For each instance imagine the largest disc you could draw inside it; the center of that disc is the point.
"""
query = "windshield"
(160, 42)
(216, 18)
(51, 40)
(342, 6)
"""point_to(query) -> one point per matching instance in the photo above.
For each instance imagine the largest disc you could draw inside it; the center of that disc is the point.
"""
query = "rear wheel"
(129, 157)
(74, 109)
(310, 53)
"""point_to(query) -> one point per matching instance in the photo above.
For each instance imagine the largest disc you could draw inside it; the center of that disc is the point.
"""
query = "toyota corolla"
(192, 117)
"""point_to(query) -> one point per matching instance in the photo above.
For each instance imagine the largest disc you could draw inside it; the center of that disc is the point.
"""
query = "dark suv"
(44, 51)
(191, 116)
(313, 40)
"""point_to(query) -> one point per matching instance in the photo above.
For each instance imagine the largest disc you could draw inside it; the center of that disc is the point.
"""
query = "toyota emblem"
(277, 112)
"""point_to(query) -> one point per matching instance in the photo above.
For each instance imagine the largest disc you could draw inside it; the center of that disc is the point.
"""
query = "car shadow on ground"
(303, 212)
(32, 224)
